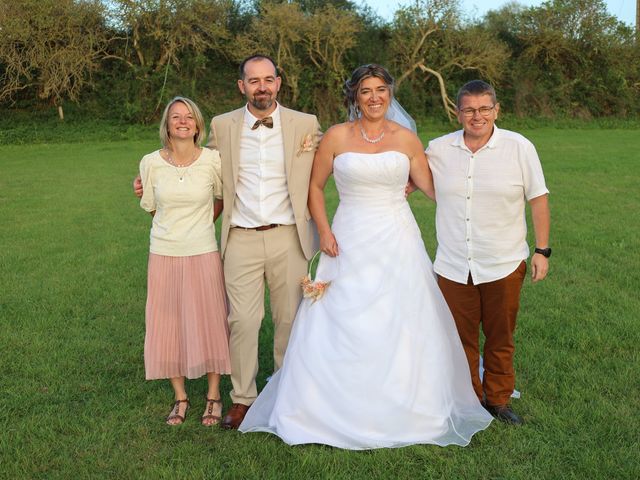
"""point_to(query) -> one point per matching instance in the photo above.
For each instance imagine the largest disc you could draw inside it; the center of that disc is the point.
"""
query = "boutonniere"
(307, 145)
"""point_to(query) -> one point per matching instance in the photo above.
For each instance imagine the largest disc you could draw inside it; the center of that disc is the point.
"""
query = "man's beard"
(264, 103)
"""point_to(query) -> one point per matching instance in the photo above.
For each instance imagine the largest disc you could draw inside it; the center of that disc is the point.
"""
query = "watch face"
(544, 251)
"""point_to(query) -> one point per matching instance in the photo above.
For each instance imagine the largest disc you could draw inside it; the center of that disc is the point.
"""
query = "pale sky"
(625, 10)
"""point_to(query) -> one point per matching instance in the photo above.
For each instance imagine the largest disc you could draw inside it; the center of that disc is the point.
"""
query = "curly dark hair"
(351, 86)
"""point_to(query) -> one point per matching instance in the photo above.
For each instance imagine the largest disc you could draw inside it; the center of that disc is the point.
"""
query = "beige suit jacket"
(301, 134)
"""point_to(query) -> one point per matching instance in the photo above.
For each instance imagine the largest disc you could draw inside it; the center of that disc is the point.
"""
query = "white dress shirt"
(480, 215)
(262, 196)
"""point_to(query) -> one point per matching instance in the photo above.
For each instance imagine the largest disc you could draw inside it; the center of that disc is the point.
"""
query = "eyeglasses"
(484, 111)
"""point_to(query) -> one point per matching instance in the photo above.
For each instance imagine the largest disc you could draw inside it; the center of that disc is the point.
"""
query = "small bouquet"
(313, 289)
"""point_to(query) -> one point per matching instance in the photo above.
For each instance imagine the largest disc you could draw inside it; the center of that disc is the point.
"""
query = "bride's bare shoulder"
(399, 129)
(340, 129)
(338, 134)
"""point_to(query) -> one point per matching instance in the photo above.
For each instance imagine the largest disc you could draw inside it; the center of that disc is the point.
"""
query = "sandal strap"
(176, 408)
(214, 417)
(210, 403)
(209, 412)
(171, 417)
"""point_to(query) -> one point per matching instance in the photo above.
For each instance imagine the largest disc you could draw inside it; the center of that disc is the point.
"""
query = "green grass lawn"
(74, 402)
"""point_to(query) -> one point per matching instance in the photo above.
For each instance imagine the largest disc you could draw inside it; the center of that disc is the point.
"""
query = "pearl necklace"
(185, 166)
(370, 140)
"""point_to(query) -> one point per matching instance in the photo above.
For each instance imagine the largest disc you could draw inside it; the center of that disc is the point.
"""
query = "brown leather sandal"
(209, 412)
(174, 412)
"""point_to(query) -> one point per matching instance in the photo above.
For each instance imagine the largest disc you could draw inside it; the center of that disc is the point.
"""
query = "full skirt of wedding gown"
(377, 361)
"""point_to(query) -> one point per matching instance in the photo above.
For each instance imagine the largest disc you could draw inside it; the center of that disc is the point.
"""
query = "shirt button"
(468, 198)
(467, 219)
(467, 239)
(469, 258)
(469, 176)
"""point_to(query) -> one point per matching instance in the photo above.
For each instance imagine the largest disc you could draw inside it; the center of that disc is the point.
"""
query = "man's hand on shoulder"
(137, 186)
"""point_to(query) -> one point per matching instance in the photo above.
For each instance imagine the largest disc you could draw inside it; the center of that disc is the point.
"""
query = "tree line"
(123, 59)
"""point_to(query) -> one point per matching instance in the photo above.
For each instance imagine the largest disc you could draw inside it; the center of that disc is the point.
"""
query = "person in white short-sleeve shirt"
(484, 177)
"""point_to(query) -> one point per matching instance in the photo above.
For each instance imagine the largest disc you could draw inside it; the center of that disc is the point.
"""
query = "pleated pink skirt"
(187, 334)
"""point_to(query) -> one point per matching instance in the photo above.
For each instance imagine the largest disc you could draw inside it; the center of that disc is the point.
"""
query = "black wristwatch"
(544, 251)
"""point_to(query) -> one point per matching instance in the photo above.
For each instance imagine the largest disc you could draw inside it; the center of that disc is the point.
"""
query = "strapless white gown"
(377, 361)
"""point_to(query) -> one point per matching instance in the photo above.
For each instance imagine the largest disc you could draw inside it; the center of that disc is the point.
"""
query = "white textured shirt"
(262, 196)
(480, 214)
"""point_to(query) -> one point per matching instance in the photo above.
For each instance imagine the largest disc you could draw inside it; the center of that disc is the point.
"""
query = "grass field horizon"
(73, 253)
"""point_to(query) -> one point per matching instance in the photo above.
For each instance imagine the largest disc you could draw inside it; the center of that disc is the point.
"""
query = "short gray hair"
(476, 88)
(198, 138)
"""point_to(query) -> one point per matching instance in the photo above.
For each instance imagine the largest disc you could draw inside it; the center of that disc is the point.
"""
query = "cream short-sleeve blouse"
(183, 201)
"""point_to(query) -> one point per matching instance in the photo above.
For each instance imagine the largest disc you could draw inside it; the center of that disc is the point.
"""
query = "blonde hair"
(197, 116)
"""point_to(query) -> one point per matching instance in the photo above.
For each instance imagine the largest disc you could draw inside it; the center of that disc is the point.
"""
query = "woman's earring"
(354, 111)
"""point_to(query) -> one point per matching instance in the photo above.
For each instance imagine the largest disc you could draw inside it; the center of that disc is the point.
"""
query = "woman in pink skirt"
(186, 314)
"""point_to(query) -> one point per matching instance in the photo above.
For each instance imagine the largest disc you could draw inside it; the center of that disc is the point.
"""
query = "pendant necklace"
(370, 140)
(185, 167)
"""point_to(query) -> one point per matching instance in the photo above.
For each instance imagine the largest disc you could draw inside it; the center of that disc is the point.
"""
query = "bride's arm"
(322, 168)
(419, 172)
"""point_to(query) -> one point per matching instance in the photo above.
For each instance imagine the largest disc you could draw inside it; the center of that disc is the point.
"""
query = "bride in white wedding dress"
(377, 361)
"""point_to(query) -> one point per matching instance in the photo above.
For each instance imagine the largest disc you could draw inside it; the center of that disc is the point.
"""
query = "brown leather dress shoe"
(234, 416)
(504, 413)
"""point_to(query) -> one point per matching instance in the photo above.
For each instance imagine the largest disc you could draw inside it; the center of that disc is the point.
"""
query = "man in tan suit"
(267, 233)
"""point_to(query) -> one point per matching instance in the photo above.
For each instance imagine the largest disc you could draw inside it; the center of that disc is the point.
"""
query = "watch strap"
(546, 252)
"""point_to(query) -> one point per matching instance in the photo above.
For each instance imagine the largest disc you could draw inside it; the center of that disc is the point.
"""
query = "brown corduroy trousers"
(494, 306)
